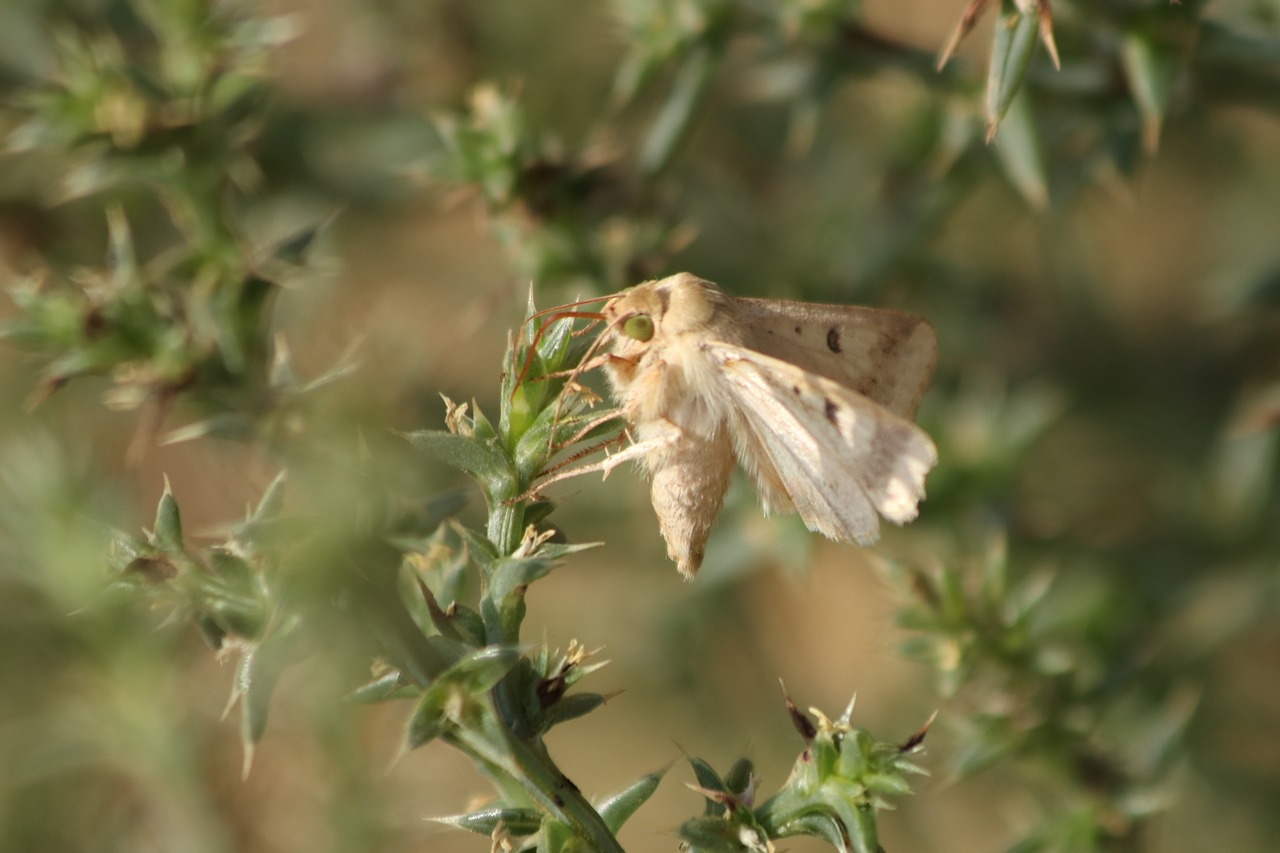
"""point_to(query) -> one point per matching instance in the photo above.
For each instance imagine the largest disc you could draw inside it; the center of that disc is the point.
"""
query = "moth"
(816, 402)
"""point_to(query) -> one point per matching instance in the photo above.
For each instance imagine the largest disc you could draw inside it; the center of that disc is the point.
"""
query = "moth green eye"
(639, 327)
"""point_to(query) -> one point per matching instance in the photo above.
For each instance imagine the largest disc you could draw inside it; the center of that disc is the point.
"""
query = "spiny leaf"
(168, 531)
(519, 822)
(570, 708)
(618, 808)
(1015, 38)
(454, 696)
(1150, 74)
(389, 686)
(1018, 152)
(259, 670)
(477, 457)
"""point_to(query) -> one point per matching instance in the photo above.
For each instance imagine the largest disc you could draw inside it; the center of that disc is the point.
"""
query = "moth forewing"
(843, 459)
(887, 356)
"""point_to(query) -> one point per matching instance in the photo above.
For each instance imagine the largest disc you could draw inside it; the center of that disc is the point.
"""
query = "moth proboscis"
(816, 402)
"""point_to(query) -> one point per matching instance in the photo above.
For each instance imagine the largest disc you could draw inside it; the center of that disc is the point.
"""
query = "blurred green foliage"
(1083, 205)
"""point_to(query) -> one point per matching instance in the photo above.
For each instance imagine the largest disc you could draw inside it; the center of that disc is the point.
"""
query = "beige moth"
(816, 402)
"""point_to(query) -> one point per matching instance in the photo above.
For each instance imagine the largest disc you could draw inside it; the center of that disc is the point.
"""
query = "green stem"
(531, 764)
(506, 526)
(558, 796)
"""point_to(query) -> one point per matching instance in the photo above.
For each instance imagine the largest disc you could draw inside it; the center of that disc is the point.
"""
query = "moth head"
(635, 315)
(670, 306)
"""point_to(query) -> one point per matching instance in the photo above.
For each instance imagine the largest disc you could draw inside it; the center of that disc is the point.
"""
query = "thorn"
(848, 710)
(798, 718)
(724, 798)
(917, 737)
(967, 19)
(1044, 15)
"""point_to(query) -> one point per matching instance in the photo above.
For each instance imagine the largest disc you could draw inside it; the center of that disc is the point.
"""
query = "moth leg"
(611, 415)
(584, 453)
(572, 386)
(638, 450)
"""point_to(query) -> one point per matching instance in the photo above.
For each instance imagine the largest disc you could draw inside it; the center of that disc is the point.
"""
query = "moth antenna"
(545, 311)
(584, 364)
(635, 451)
(537, 336)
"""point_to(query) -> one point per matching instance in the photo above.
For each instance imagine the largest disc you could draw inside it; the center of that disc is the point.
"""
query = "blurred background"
(1088, 598)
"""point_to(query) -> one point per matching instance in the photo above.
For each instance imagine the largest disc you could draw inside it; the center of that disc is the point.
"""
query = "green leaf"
(477, 457)
(818, 825)
(168, 532)
(122, 261)
(1150, 73)
(1015, 38)
(507, 581)
(453, 697)
(293, 250)
(482, 550)
(389, 686)
(708, 778)
(468, 623)
(994, 579)
(213, 634)
(719, 835)
(886, 783)
(740, 776)
(235, 595)
(618, 808)
(1018, 151)
(570, 708)
(433, 715)
(479, 672)
(558, 838)
(510, 575)
(519, 822)
(259, 670)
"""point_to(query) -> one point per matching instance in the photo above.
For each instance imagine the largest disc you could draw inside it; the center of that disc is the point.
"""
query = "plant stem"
(557, 795)
(534, 768)
(506, 526)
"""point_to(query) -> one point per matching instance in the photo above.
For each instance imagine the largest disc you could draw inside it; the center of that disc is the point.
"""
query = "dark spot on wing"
(833, 339)
(829, 409)
(889, 343)
(795, 389)
(797, 330)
